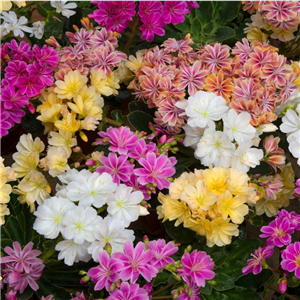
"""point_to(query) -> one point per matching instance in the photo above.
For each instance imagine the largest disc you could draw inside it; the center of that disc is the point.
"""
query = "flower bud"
(82, 272)
(282, 285)
(188, 249)
(77, 149)
(31, 108)
(85, 279)
(83, 136)
(108, 248)
(90, 163)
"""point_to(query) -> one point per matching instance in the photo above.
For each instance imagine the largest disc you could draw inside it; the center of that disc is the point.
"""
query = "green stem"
(112, 122)
(162, 297)
(274, 288)
(132, 34)
(164, 288)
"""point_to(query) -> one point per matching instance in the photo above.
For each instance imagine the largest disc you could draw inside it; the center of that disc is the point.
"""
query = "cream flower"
(57, 161)
(177, 186)
(89, 123)
(124, 74)
(6, 173)
(5, 191)
(69, 123)
(63, 139)
(28, 145)
(73, 82)
(5, 6)
(4, 211)
(24, 163)
(134, 63)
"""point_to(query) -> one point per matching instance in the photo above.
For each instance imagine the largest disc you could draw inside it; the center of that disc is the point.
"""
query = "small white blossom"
(72, 252)
(38, 29)
(291, 121)
(192, 136)
(294, 145)
(57, 161)
(63, 8)
(49, 216)
(110, 230)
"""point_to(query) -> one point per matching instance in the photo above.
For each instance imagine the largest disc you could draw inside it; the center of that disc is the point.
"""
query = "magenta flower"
(118, 167)
(297, 189)
(198, 265)
(42, 72)
(153, 24)
(293, 217)
(135, 261)
(31, 85)
(192, 4)
(20, 52)
(254, 264)
(278, 232)
(191, 293)
(133, 182)
(46, 55)
(141, 149)
(106, 10)
(174, 11)
(129, 292)
(5, 125)
(80, 296)
(126, 8)
(156, 170)
(106, 273)
(22, 258)
(161, 253)
(149, 7)
(11, 295)
(11, 98)
(15, 70)
(291, 258)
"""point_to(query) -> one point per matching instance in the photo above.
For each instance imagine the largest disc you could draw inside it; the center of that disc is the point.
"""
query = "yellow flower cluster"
(211, 202)
(6, 175)
(74, 104)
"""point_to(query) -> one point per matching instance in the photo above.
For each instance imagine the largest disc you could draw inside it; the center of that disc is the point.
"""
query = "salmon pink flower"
(291, 258)
(129, 292)
(280, 10)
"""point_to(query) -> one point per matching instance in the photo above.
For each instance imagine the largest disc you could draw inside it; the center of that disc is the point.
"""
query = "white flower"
(11, 23)
(63, 139)
(38, 29)
(89, 123)
(57, 161)
(294, 145)
(26, 144)
(91, 188)
(72, 252)
(143, 211)
(291, 121)
(293, 100)
(80, 223)
(63, 8)
(49, 216)
(215, 148)
(68, 176)
(267, 127)
(124, 204)
(204, 108)
(246, 157)
(237, 126)
(192, 136)
(110, 230)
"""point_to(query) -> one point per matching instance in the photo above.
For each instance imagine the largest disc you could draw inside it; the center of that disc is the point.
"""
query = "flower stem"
(164, 288)
(132, 34)
(162, 297)
(112, 122)
(274, 288)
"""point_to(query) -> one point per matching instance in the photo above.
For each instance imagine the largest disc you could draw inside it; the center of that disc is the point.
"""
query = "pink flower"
(153, 24)
(198, 265)
(291, 258)
(254, 264)
(11, 295)
(297, 189)
(276, 157)
(191, 293)
(15, 70)
(129, 292)
(80, 296)
(161, 253)
(140, 149)
(121, 139)
(46, 55)
(5, 125)
(22, 258)
(103, 38)
(278, 232)
(242, 50)
(293, 217)
(82, 39)
(156, 170)
(149, 7)
(280, 10)
(31, 85)
(133, 182)
(174, 11)
(118, 167)
(10, 98)
(135, 261)
(106, 273)
(43, 72)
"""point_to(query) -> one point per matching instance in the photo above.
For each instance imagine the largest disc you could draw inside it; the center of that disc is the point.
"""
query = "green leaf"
(228, 11)
(53, 27)
(139, 120)
(205, 12)
(161, 277)
(26, 295)
(219, 258)
(116, 114)
(66, 278)
(32, 125)
(224, 33)
(14, 228)
(223, 282)
(240, 250)
(185, 27)
(196, 28)
(207, 289)
(179, 234)
(6, 242)
(239, 293)
(47, 288)
(257, 220)
(292, 281)
(232, 269)
(216, 296)
(103, 148)
(254, 281)
(139, 105)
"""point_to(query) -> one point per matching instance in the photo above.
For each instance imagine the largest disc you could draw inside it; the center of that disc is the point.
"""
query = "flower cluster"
(135, 162)
(85, 72)
(281, 18)
(119, 272)
(250, 78)
(27, 72)
(153, 15)
(21, 267)
(279, 233)
(6, 175)
(211, 202)
(85, 233)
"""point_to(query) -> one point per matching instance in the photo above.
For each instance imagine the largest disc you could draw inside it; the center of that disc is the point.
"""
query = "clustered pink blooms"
(120, 272)
(154, 15)
(27, 71)
(251, 77)
(21, 267)
(279, 233)
(136, 162)
(297, 189)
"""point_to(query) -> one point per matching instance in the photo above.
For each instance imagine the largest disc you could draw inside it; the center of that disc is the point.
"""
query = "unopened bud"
(31, 108)
(48, 188)
(77, 149)
(77, 165)
(112, 287)
(83, 136)
(85, 279)
(82, 272)
(188, 249)
(90, 162)
(76, 28)
(162, 139)
(282, 285)
(108, 248)
(177, 277)
(175, 295)
(145, 239)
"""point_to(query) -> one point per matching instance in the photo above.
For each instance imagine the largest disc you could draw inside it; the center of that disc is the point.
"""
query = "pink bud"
(162, 139)
(90, 162)
(170, 140)
(283, 285)
(11, 295)
(270, 143)
(31, 108)
(76, 149)
(118, 284)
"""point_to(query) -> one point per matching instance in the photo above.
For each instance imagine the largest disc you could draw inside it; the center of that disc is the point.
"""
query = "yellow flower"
(177, 186)
(27, 145)
(57, 161)
(124, 74)
(5, 190)
(221, 232)
(200, 226)
(105, 84)
(198, 197)
(134, 63)
(172, 209)
(215, 179)
(20, 3)
(256, 35)
(234, 207)
(89, 123)
(283, 35)
(6, 173)
(68, 123)
(63, 139)
(4, 211)
(73, 82)
(5, 6)
(32, 188)
(25, 162)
